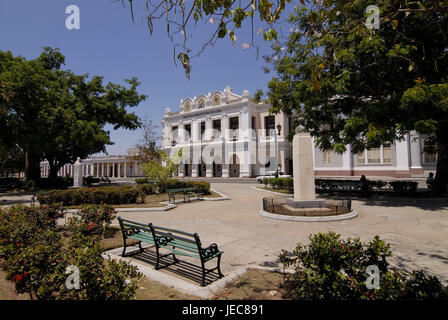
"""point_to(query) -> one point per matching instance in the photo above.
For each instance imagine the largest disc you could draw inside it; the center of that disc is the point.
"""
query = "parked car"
(271, 174)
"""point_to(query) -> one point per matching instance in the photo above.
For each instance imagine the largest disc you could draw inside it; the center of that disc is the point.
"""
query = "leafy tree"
(349, 84)
(162, 169)
(147, 145)
(181, 19)
(57, 115)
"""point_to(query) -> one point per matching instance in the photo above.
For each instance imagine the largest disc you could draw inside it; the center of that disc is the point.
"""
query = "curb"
(206, 292)
(165, 208)
(345, 216)
(279, 193)
(223, 196)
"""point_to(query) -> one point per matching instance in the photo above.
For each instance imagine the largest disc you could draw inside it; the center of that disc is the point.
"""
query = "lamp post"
(277, 169)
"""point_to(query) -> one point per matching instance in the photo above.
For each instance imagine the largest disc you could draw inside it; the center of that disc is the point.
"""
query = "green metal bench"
(176, 241)
(191, 191)
(187, 193)
(172, 193)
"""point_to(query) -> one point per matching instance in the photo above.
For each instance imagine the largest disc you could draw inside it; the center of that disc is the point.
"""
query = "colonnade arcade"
(120, 168)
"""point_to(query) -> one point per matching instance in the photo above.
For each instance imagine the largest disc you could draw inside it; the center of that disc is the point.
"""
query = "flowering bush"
(331, 268)
(36, 255)
(92, 219)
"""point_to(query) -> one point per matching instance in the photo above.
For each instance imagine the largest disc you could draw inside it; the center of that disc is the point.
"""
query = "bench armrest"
(210, 251)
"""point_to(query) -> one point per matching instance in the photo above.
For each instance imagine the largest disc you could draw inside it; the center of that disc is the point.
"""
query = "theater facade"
(223, 134)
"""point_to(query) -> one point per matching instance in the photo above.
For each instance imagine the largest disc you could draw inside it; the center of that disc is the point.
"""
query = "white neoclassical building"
(113, 166)
(223, 134)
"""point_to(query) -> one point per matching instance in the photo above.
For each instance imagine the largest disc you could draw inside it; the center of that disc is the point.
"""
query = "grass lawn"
(255, 284)
(285, 191)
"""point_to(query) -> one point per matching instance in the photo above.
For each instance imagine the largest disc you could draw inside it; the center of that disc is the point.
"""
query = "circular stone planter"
(339, 217)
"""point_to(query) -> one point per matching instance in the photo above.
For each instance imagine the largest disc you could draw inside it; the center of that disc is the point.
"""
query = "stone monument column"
(303, 168)
(77, 177)
(304, 188)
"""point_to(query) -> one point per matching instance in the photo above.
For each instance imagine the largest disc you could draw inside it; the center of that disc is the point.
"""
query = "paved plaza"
(416, 229)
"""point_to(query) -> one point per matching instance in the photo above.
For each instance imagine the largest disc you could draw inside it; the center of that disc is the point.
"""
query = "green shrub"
(56, 183)
(401, 187)
(202, 186)
(107, 195)
(11, 183)
(141, 180)
(147, 189)
(279, 183)
(333, 269)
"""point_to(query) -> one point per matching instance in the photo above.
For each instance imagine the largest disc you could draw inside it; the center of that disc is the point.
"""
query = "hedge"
(399, 187)
(115, 195)
(103, 195)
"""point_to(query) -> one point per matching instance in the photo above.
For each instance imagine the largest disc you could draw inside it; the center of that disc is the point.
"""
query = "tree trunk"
(32, 166)
(441, 180)
(53, 174)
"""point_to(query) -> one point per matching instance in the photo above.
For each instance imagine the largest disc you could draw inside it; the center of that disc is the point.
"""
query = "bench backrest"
(134, 226)
(181, 239)
(175, 190)
(190, 189)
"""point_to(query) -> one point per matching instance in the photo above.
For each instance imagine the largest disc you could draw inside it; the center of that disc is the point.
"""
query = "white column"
(416, 154)
(208, 170)
(194, 131)
(347, 161)
(244, 124)
(225, 169)
(180, 133)
(125, 168)
(113, 169)
(208, 129)
(402, 154)
(225, 128)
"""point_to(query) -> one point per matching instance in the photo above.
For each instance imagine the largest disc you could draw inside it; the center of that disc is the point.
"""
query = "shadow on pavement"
(182, 268)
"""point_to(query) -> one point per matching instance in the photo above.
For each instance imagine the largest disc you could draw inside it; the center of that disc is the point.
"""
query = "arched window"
(187, 106)
(201, 104)
(216, 100)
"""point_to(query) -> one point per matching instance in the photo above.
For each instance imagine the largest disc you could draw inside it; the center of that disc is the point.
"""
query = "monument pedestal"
(303, 204)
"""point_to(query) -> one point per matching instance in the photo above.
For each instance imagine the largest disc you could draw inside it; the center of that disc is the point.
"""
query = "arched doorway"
(235, 166)
(202, 169)
(217, 167)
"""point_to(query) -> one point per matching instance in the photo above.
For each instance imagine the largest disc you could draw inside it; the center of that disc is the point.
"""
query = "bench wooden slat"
(142, 237)
(170, 235)
(173, 230)
(183, 247)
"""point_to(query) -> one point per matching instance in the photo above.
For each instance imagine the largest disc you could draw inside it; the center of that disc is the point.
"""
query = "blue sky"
(109, 44)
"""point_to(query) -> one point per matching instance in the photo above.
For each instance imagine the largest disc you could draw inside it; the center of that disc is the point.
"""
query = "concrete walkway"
(416, 229)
